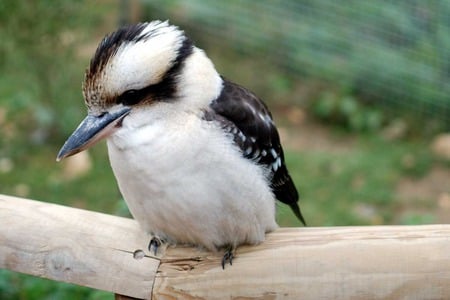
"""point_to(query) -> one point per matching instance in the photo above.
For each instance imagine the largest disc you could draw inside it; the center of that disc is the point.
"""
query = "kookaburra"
(197, 158)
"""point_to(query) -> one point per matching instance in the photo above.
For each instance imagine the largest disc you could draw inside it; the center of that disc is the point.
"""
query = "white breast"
(184, 180)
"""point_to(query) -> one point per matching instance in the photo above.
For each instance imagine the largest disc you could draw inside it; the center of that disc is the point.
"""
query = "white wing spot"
(275, 166)
(248, 151)
(274, 154)
(256, 154)
(262, 117)
(252, 109)
(278, 161)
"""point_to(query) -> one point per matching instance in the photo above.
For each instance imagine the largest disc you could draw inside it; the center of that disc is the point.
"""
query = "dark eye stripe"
(131, 97)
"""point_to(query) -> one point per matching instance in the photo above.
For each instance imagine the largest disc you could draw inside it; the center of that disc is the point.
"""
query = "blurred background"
(360, 91)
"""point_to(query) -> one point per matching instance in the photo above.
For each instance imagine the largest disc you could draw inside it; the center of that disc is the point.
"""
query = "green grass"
(334, 185)
(43, 178)
(15, 286)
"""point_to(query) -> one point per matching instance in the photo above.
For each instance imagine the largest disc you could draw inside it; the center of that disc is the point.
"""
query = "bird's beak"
(91, 130)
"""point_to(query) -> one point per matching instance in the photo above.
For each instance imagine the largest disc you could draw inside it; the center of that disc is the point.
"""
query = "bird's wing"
(248, 120)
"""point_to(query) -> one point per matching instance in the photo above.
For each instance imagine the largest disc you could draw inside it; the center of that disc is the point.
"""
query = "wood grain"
(97, 250)
(383, 262)
(73, 245)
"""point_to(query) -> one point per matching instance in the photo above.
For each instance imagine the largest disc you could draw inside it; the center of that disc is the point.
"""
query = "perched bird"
(197, 158)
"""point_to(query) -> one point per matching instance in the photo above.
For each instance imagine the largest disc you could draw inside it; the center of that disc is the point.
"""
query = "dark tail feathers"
(296, 209)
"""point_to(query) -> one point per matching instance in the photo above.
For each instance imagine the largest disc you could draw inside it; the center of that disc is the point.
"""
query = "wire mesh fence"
(390, 53)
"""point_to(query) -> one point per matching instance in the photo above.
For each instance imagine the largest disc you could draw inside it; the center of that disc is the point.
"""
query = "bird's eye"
(130, 97)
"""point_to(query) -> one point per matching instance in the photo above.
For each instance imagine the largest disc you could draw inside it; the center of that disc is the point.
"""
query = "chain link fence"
(394, 54)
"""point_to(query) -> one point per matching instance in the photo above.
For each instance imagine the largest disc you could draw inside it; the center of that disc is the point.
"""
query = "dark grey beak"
(91, 130)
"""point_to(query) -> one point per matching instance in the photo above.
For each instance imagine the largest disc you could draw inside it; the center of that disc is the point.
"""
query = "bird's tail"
(296, 209)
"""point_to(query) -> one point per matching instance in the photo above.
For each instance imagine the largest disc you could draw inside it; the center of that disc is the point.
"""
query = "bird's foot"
(228, 256)
(154, 244)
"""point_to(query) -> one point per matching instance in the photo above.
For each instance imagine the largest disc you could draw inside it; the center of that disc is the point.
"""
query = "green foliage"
(15, 286)
(40, 86)
(414, 219)
(417, 163)
(347, 111)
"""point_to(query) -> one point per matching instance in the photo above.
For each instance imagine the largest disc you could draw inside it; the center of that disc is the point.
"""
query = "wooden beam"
(104, 252)
(73, 245)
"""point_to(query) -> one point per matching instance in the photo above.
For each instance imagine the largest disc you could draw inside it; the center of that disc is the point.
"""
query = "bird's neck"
(199, 83)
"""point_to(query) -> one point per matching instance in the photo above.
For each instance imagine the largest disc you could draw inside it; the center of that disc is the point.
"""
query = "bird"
(197, 158)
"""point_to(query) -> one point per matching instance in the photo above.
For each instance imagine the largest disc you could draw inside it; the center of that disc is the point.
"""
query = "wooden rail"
(109, 253)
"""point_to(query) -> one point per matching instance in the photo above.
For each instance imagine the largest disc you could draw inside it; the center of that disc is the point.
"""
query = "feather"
(248, 120)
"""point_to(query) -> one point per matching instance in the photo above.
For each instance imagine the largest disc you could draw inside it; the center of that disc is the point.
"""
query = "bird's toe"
(154, 244)
(227, 257)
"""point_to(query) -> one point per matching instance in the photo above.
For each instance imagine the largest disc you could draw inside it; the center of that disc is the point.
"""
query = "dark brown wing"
(248, 119)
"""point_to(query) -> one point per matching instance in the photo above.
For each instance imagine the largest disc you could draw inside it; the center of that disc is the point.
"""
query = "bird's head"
(138, 65)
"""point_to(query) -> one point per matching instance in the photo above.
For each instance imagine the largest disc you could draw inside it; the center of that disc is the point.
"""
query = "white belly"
(186, 183)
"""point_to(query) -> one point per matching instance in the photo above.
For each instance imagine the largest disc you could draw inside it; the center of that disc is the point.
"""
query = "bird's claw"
(228, 256)
(155, 243)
